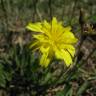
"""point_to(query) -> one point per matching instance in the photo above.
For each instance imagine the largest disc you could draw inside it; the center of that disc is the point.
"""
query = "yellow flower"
(52, 39)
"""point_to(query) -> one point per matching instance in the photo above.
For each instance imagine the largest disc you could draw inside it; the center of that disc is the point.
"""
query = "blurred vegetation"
(20, 74)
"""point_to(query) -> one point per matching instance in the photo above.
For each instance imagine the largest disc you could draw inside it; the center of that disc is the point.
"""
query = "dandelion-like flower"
(52, 39)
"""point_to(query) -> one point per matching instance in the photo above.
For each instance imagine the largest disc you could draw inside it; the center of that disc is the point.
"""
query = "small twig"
(35, 9)
(4, 12)
(81, 22)
(62, 75)
(50, 8)
(73, 10)
(39, 14)
(81, 39)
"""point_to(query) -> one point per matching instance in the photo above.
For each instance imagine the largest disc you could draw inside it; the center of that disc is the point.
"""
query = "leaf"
(82, 88)
(60, 93)
(47, 78)
(68, 90)
(69, 93)
(2, 77)
(63, 93)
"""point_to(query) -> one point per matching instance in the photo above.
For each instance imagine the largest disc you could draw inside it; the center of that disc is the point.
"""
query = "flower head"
(52, 39)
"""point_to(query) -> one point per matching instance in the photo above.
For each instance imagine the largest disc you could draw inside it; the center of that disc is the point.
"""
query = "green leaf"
(82, 88)
(68, 90)
(2, 77)
(60, 93)
(65, 93)
(47, 78)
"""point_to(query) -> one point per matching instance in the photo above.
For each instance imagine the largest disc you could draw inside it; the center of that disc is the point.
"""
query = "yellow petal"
(46, 28)
(46, 24)
(41, 38)
(54, 21)
(68, 38)
(71, 51)
(44, 60)
(36, 27)
(68, 29)
(34, 45)
(69, 48)
(54, 25)
(38, 37)
(64, 55)
(44, 49)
